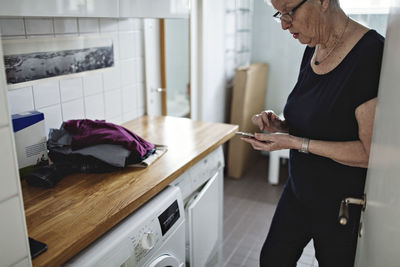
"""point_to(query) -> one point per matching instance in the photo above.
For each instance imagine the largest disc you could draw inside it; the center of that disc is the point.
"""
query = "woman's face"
(304, 25)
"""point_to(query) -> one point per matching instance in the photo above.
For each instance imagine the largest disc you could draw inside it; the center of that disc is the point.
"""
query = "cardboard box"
(30, 139)
(248, 98)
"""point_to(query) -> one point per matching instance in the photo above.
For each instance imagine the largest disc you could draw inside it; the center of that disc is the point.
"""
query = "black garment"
(293, 226)
(322, 107)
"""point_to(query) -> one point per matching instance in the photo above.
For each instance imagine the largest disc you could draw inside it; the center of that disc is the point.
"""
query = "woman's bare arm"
(351, 153)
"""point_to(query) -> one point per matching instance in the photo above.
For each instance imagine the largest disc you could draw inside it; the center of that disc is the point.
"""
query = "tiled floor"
(249, 204)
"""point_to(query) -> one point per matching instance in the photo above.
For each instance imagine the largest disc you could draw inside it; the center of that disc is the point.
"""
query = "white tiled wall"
(14, 249)
(116, 95)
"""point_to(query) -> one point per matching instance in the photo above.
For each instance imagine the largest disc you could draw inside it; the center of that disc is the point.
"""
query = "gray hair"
(333, 3)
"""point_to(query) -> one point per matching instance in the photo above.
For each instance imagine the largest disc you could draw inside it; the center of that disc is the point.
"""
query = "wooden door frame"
(163, 69)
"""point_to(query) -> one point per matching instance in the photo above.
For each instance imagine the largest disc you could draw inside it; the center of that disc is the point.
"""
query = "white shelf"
(239, 27)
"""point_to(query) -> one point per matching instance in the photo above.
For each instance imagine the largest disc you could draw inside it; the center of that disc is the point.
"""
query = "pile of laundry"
(90, 147)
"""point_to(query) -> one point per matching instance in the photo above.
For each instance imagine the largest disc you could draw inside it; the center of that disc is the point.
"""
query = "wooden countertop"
(82, 207)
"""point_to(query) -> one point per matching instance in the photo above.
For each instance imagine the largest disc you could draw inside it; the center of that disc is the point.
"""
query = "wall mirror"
(167, 53)
(177, 66)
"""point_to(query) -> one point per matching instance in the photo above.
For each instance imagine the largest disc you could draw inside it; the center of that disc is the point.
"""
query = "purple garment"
(88, 132)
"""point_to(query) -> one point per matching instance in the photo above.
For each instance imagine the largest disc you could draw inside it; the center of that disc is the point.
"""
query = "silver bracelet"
(304, 145)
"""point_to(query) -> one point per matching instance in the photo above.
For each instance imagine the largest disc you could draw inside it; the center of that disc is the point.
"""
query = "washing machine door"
(166, 260)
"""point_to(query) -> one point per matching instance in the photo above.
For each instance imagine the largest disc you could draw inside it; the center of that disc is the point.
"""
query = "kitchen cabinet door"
(60, 8)
(203, 215)
(154, 8)
(102, 8)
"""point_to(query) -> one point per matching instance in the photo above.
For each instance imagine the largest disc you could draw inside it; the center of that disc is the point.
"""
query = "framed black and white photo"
(29, 60)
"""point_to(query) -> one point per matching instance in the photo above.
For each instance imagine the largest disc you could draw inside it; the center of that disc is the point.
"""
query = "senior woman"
(328, 126)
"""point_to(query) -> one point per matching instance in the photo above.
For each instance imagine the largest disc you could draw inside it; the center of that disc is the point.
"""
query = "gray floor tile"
(254, 254)
(236, 260)
(306, 259)
(251, 263)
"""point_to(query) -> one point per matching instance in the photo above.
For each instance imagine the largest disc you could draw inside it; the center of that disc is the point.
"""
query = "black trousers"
(295, 224)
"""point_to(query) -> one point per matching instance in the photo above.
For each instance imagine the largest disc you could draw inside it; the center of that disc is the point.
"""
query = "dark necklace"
(317, 62)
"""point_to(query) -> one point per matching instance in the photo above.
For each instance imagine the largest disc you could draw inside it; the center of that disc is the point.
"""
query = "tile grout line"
(251, 249)
(238, 244)
(252, 190)
(242, 218)
(233, 230)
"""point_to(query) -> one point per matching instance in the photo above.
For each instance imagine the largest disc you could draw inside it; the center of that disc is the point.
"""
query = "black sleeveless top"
(322, 107)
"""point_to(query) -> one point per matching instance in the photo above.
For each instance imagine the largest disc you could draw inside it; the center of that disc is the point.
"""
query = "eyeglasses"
(287, 17)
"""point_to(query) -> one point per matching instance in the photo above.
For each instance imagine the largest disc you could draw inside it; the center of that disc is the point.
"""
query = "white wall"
(14, 250)
(278, 48)
(375, 21)
(116, 95)
(212, 91)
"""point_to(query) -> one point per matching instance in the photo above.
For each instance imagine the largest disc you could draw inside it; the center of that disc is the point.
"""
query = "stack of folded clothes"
(91, 147)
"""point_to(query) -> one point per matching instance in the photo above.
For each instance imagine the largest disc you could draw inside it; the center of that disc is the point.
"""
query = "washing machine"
(152, 236)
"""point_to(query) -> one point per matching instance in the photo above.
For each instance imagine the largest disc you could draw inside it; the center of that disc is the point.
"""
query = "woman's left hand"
(272, 142)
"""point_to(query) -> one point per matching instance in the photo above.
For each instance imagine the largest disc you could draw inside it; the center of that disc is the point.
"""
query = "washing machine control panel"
(145, 239)
(150, 235)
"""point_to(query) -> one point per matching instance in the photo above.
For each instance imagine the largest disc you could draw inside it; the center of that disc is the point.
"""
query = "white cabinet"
(102, 8)
(203, 223)
(154, 8)
(96, 8)
(202, 191)
(60, 8)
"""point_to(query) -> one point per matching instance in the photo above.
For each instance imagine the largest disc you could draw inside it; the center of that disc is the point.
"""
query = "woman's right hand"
(269, 121)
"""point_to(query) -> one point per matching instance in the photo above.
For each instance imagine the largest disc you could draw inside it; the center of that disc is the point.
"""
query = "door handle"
(344, 207)
(158, 90)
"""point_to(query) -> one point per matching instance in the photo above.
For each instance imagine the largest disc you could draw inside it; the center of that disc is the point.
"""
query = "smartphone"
(250, 135)
(36, 247)
(244, 134)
